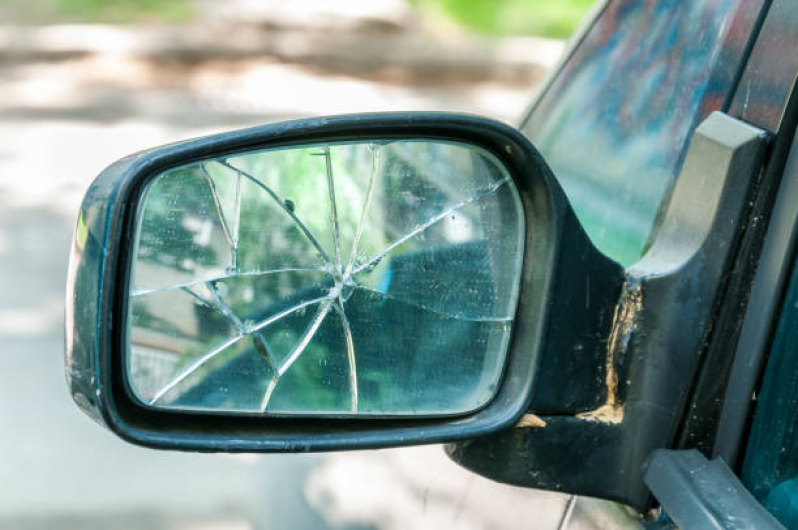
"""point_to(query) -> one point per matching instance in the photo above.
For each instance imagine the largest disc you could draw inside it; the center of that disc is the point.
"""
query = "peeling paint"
(623, 326)
(608, 413)
(530, 420)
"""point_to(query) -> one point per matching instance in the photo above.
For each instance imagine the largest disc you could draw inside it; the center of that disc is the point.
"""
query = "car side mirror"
(347, 282)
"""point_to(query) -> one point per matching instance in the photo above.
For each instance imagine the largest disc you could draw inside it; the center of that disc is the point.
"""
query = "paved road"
(60, 124)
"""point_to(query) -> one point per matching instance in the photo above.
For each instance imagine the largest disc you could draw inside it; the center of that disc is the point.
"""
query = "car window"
(770, 469)
(615, 123)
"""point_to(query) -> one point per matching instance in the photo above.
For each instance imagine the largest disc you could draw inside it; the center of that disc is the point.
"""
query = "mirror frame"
(99, 273)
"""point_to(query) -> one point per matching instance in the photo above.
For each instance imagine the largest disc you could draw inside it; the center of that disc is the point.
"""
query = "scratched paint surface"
(356, 278)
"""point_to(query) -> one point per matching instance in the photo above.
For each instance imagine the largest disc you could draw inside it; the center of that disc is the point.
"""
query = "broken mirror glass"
(361, 278)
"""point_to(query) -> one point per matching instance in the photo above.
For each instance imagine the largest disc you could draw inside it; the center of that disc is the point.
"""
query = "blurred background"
(84, 82)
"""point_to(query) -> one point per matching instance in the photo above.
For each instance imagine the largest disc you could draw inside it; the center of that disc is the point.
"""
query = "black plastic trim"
(701, 494)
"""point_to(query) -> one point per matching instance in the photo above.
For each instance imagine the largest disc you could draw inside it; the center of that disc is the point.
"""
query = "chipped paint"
(623, 326)
(530, 420)
(607, 413)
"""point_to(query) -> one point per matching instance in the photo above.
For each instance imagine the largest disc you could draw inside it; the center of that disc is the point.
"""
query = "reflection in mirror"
(371, 278)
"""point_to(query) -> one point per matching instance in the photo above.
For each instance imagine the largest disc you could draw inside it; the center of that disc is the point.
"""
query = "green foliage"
(546, 18)
(97, 11)
(125, 10)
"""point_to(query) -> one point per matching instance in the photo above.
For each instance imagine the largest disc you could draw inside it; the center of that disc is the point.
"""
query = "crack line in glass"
(237, 227)
(307, 336)
(431, 310)
(218, 307)
(258, 342)
(234, 274)
(350, 351)
(376, 165)
(333, 206)
(243, 331)
(282, 205)
(223, 308)
(263, 349)
(268, 394)
(219, 210)
(274, 318)
(480, 194)
(193, 367)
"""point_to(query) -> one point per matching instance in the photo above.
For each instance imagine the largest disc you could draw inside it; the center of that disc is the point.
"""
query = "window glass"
(770, 469)
(615, 122)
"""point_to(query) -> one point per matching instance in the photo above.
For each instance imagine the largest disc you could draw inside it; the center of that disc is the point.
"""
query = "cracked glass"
(370, 278)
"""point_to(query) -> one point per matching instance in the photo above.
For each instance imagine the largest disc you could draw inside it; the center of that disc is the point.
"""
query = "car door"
(721, 408)
(616, 121)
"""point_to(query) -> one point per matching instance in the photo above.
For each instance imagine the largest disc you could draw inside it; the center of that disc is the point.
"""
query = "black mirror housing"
(99, 277)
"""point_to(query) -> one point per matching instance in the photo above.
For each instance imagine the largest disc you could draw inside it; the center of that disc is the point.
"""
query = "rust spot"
(530, 420)
(612, 414)
(623, 326)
